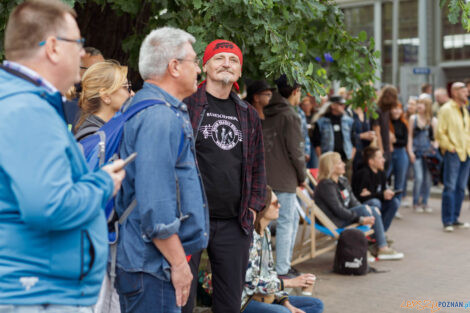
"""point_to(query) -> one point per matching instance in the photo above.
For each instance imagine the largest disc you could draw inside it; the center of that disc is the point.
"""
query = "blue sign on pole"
(421, 70)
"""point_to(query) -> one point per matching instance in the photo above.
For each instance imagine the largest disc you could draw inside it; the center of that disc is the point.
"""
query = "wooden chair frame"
(311, 243)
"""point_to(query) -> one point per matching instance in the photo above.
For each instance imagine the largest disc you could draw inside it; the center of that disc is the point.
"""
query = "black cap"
(337, 99)
(256, 87)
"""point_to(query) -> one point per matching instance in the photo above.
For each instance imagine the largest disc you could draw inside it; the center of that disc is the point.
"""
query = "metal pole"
(422, 31)
(395, 13)
(378, 37)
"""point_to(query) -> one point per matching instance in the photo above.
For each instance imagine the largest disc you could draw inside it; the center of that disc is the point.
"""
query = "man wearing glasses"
(230, 154)
(53, 237)
(258, 94)
(170, 221)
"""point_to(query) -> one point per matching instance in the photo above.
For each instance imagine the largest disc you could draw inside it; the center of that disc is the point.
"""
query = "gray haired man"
(170, 221)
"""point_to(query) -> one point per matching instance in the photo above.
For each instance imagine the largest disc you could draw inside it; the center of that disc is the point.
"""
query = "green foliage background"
(276, 36)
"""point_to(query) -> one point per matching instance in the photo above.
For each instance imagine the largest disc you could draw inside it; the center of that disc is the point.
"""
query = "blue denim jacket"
(328, 137)
(303, 121)
(163, 176)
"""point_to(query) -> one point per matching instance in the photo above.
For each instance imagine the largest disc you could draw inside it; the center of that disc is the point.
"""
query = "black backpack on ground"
(351, 253)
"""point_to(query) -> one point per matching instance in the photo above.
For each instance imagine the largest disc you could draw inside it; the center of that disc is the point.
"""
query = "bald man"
(453, 135)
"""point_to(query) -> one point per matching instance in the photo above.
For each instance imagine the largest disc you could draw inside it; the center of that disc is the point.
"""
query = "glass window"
(359, 19)
(455, 41)
(408, 41)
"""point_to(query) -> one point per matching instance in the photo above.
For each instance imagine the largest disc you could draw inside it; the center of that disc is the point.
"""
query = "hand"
(303, 280)
(117, 173)
(368, 220)
(254, 214)
(365, 192)
(368, 135)
(435, 144)
(393, 139)
(181, 279)
(292, 308)
(388, 194)
(412, 157)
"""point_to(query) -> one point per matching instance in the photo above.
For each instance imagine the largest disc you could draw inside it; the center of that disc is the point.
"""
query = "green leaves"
(276, 37)
(458, 10)
(362, 36)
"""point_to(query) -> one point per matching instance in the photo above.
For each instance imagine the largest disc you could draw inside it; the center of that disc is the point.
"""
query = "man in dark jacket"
(370, 186)
(285, 167)
(229, 147)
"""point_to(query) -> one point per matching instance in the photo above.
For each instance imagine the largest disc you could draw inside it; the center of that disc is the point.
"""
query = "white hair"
(159, 47)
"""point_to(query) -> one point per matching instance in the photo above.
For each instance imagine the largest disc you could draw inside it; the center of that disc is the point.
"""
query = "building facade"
(417, 42)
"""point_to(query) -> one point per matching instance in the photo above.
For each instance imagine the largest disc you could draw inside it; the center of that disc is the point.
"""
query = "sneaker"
(448, 228)
(418, 209)
(293, 271)
(461, 225)
(370, 257)
(398, 216)
(405, 204)
(389, 254)
(427, 209)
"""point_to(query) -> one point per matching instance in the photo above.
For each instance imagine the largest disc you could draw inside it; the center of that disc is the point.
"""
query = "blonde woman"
(421, 142)
(334, 196)
(104, 90)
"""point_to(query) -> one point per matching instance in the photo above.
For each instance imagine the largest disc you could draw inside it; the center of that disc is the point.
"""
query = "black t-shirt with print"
(219, 155)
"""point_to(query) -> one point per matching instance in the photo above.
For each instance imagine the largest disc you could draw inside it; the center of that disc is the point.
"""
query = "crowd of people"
(213, 172)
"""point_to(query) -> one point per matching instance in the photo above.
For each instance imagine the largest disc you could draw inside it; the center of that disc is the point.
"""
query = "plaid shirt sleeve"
(258, 171)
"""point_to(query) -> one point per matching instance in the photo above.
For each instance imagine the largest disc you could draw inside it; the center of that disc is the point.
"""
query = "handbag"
(263, 298)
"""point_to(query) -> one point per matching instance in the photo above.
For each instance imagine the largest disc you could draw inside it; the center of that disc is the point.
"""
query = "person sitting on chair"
(335, 198)
(264, 290)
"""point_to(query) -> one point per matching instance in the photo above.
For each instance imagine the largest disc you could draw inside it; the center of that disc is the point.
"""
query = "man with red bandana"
(230, 155)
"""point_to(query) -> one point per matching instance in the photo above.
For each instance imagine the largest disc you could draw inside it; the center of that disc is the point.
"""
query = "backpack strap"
(139, 106)
(113, 245)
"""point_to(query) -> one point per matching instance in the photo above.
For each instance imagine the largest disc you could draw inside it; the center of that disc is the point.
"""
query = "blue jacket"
(163, 177)
(53, 236)
(328, 137)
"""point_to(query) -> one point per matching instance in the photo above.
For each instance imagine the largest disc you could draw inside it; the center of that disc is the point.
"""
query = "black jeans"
(228, 252)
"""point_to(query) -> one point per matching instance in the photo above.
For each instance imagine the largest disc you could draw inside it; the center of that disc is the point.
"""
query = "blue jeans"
(378, 226)
(422, 182)
(388, 209)
(140, 292)
(455, 180)
(307, 304)
(399, 168)
(45, 308)
(286, 231)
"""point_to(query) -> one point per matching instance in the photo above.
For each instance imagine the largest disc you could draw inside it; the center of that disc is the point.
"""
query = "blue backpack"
(103, 147)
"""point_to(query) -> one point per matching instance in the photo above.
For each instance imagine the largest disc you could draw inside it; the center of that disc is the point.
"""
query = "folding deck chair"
(315, 239)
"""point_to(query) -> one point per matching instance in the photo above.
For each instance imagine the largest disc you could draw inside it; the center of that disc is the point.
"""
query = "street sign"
(421, 70)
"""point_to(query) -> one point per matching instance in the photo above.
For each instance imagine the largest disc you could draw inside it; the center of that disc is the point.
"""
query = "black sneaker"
(293, 271)
(461, 225)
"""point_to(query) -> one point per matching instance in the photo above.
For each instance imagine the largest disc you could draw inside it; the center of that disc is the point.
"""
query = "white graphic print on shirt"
(224, 133)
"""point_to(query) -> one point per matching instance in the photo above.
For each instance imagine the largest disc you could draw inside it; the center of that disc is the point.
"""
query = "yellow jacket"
(453, 131)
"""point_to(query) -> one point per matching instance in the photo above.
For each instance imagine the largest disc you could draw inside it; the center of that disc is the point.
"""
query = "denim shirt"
(303, 121)
(328, 137)
(163, 177)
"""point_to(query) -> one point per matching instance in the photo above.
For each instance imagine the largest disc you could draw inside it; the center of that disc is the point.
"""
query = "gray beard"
(226, 81)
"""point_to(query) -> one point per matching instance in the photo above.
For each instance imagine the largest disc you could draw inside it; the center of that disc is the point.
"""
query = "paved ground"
(436, 267)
